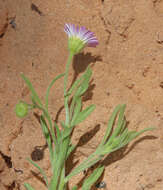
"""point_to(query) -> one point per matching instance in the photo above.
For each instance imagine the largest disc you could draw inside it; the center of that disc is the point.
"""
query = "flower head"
(79, 37)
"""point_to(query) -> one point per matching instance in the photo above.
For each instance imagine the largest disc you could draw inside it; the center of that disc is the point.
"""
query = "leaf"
(71, 148)
(75, 188)
(77, 109)
(128, 138)
(63, 124)
(66, 132)
(120, 125)
(49, 87)
(28, 186)
(117, 141)
(134, 134)
(83, 115)
(79, 81)
(110, 124)
(58, 132)
(84, 85)
(47, 135)
(92, 178)
(30, 86)
(41, 171)
(83, 166)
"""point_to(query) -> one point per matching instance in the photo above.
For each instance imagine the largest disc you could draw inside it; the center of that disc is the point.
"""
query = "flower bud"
(21, 109)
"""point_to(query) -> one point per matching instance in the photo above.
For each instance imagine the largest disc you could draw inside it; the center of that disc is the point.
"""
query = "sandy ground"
(127, 68)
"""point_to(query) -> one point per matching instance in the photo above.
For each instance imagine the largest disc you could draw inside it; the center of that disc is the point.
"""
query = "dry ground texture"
(127, 68)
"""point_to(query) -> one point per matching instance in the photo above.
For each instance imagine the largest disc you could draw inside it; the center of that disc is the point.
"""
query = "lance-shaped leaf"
(80, 83)
(83, 115)
(70, 149)
(92, 178)
(28, 186)
(122, 140)
(77, 108)
(120, 125)
(49, 87)
(47, 136)
(66, 132)
(75, 188)
(58, 133)
(41, 171)
(110, 125)
(34, 94)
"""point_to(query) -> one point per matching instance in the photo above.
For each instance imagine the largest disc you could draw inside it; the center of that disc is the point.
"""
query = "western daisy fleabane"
(79, 37)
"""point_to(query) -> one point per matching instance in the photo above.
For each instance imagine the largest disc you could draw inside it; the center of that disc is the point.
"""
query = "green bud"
(21, 109)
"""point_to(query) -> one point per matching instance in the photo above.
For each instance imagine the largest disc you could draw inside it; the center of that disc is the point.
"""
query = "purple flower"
(79, 37)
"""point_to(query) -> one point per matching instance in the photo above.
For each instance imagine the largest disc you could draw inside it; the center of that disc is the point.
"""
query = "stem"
(65, 87)
(57, 181)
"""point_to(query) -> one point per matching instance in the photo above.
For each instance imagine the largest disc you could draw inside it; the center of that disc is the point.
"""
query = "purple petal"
(82, 33)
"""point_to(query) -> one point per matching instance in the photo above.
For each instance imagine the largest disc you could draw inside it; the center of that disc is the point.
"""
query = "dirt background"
(127, 68)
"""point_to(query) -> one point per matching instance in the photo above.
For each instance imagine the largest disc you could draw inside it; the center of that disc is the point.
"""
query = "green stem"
(57, 181)
(65, 87)
(67, 72)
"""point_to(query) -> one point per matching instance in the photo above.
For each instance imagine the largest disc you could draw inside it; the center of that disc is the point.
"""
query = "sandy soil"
(127, 68)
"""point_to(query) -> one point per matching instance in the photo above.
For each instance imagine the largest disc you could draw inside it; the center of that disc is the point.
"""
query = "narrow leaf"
(86, 164)
(30, 86)
(66, 132)
(49, 87)
(83, 115)
(28, 186)
(78, 82)
(133, 134)
(75, 188)
(40, 169)
(119, 126)
(110, 124)
(58, 132)
(92, 178)
(77, 109)
(71, 148)
(47, 136)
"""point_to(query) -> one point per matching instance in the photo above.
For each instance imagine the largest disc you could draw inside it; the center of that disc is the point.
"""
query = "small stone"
(101, 185)
(161, 84)
(2, 164)
(159, 37)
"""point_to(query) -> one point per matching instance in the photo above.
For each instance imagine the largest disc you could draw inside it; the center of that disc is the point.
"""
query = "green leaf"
(66, 132)
(63, 124)
(58, 132)
(28, 186)
(92, 178)
(49, 87)
(110, 124)
(79, 81)
(40, 169)
(75, 188)
(83, 115)
(30, 86)
(77, 109)
(83, 166)
(134, 134)
(117, 141)
(71, 148)
(120, 125)
(128, 137)
(47, 136)
(84, 85)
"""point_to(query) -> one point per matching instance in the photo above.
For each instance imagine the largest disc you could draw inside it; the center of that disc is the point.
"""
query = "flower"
(79, 37)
